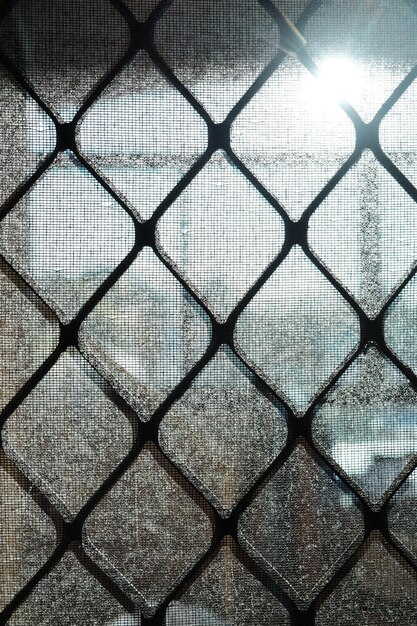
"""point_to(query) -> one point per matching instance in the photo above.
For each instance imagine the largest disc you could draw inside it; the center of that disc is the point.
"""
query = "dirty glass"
(208, 313)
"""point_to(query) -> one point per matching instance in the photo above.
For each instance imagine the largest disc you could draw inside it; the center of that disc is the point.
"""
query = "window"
(207, 292)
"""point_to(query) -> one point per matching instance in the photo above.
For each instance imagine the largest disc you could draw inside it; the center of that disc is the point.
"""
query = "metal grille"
(209, 405)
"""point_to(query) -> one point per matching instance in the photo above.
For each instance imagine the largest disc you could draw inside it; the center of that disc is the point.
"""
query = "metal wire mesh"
(207, 295)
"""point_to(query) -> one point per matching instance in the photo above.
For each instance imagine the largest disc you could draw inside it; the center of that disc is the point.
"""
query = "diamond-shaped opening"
(66, 235)
(207, 600)
(64, 47)
(135, 537)
(141, 135)
(302, 525)
(364, 232)
(366, 425)
(223, 432)
(368, 594)
(213, 51)
(68, 435)
(220, 234)
(297, 331)
(145, 334)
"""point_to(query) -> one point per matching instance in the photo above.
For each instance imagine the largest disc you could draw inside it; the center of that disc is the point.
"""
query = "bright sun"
(339, 78)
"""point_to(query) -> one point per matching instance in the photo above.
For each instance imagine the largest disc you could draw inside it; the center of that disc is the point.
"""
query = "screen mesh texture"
(208, 313)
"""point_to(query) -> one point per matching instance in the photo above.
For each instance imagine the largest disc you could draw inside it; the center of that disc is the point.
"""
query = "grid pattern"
(203, 464)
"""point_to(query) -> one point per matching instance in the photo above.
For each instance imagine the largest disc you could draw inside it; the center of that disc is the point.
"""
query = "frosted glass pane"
(302, 525)
(221, 234)
(366, 424)
(147, 532)
(223, 432)
(64, 47)
(66, 236)
(297, 331)
(226, 594)
(141, 135)
(71, 595)
(27, 534)
(364, 232)
(213, 51)
(145, 334)
(67, 435)
(380, 590)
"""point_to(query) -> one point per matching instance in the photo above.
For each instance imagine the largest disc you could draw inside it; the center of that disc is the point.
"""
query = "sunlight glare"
(338, 79)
